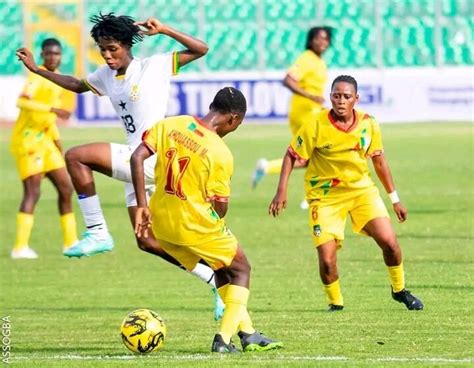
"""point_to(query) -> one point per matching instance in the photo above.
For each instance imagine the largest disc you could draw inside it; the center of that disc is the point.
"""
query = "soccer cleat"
(23, 253)
(219, 346)
(258, 342)
(335, 308)
(407, 298)
(259, 172)
(219, 305)
(88, 246)
(304, 205)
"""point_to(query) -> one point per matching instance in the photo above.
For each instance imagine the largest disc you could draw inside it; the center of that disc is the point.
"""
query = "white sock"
(92, 214)
(205, 273)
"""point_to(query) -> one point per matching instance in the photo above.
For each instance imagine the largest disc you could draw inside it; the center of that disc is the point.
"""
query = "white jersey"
(140, 97)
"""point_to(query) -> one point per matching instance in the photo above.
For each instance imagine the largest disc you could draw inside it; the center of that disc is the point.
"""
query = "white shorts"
(120, 156)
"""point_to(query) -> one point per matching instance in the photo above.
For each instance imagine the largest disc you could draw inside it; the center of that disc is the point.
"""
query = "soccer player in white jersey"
(139, 91)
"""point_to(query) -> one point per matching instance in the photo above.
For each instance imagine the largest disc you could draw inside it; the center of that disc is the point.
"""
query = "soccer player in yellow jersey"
(307, 79)
(192, 176)
(37, 151)
(335, 146)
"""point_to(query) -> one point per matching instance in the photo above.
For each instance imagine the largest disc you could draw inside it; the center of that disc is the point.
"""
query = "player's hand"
(400, 211)
(61, 113)
(318, 99)
(27, 58)
(152, 27)
(278, 204)
(142, 222)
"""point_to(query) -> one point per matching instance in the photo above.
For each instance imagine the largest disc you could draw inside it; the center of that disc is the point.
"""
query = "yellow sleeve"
(26, 104)
(218, 186)
(151, 137)
(68, 100)
(26, 101)
(300, 68)
(376, 147)
(304, 142)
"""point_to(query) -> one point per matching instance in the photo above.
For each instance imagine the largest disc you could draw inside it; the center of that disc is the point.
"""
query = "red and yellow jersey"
(35, 127)
(310, 71)
(194, 167)
(337, 159)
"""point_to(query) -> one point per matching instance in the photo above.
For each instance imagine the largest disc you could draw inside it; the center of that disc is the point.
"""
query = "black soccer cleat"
(219, 346)
(258, 342)
(407, 298)
(335, 308)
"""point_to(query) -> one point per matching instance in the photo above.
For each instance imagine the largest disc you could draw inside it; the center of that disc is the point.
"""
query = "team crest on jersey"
(134, 93)
(317, 230)
(299, 141)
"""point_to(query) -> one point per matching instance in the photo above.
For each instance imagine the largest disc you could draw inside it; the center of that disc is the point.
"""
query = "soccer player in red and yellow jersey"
(192, 175)
(306, 78)
(37, 150)
(335, 146)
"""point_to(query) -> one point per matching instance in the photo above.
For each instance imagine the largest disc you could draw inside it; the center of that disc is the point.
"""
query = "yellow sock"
(245, 324)
(333, 293)
(68, 225)
(223, 291)
(397, 277)
(274, 166)
(24, 224)
(235, 303)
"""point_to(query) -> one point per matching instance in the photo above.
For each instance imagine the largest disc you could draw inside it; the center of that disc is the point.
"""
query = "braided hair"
(120, 28)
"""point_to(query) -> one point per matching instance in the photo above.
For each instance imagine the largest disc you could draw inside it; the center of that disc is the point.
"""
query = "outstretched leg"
(62, 183)
(202, 271)
(81, 161)
(381, 230)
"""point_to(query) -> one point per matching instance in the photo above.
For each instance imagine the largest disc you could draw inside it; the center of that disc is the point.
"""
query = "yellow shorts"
(298, 118)
(327, 216)
(38, 162)
(217, 253)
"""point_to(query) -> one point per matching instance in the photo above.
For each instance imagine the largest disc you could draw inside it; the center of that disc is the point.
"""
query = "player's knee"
(389, 243)
(328, 266)
(71, 157)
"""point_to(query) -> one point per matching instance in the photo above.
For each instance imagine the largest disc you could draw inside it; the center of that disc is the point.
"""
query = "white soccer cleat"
(304, 205)
(24, 253)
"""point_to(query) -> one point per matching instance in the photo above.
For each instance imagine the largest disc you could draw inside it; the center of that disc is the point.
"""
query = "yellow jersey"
(35, 128)
(337, 158)
(194, 167)
(310, 71)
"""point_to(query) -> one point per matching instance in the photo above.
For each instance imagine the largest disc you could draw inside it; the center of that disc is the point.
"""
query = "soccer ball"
(143, 331)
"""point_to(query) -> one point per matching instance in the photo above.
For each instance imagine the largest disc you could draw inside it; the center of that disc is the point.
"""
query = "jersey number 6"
(173, 183)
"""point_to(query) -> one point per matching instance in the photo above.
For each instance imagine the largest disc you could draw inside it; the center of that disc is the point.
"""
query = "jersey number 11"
(174, 182)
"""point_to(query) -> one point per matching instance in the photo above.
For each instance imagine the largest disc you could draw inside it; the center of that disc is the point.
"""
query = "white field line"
(196, 357)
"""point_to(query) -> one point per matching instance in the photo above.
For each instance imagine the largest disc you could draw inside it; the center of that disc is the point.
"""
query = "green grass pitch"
(67, 312)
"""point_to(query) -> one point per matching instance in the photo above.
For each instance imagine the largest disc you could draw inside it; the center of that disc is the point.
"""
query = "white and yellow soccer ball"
(143, 331)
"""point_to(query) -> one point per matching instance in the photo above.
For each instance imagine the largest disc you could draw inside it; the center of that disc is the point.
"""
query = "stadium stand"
(267, 35)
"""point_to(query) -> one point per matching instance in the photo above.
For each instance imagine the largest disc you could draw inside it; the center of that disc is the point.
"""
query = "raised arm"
(143, 216)
(195, 48)
(68, 82)
(278, 203)
(385, 176)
